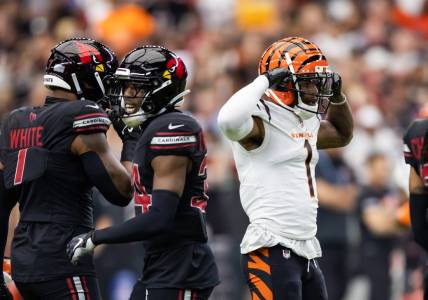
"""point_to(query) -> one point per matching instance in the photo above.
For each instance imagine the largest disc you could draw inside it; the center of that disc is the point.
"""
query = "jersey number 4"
(200, 201)
(142, 199)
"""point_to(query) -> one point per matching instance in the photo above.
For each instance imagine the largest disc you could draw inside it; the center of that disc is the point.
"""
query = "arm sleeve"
(418, 218)
(158, 219)
(128, 150)
(100, 178)
(7, 202)
(130, 140)
(234, 118)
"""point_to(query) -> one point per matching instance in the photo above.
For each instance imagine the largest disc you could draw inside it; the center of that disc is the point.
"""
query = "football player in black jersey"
(416, 155)
(169, 177)
(51, 156)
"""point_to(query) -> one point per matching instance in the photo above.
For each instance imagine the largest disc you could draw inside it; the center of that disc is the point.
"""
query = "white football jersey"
(278, 189)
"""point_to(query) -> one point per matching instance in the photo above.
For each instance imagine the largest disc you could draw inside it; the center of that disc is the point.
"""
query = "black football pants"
(278, 274)
(70, 288)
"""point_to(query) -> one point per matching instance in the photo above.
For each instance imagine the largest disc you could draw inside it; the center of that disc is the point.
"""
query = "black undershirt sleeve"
(128, 149)
(157, 220)
(99, 177)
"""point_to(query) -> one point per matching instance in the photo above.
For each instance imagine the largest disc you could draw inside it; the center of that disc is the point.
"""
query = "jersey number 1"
(308, 168)
(20, 166)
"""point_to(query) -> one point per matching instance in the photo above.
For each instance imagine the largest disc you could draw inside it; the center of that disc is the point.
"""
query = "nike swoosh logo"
(93, 106)
(171, 127)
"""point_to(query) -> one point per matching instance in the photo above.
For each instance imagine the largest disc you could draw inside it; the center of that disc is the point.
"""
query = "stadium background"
(379, 47)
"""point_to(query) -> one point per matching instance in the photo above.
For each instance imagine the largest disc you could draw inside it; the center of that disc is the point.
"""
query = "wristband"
(339, 103)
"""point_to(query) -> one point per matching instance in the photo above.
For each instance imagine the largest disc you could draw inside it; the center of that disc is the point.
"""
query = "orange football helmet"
(311, 77)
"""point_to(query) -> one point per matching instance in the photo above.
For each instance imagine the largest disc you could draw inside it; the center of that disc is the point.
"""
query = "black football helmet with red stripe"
(81, 66)
(150, 80)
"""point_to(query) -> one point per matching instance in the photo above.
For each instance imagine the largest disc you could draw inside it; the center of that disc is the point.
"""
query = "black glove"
(126, 133)
(129, 137)
(337, 89)
(276, 76)
(79, 246)
(5, 293)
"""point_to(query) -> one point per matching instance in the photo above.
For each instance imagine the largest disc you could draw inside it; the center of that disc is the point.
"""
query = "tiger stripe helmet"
(307, 64)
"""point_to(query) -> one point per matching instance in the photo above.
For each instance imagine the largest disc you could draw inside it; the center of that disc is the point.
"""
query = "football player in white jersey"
(275, 129)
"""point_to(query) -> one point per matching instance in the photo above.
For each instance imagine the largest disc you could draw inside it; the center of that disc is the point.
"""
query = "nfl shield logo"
(286, 253)
(32, 117)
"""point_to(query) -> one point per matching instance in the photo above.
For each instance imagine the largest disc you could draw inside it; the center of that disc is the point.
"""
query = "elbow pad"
(418, 217)
(99, 177)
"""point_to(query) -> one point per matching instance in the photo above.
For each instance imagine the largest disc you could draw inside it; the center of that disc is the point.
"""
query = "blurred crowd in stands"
(380, 47)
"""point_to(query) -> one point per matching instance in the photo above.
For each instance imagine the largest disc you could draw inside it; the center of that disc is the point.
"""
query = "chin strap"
(77, 86)
(100, 82)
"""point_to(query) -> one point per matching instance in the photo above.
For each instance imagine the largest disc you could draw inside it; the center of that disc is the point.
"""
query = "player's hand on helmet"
(5, 293)
(338, 96)
(80, 246)
(276, 76)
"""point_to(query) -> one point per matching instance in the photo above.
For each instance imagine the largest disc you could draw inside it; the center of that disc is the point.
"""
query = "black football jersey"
(53, 191)
(35, 149)
(173, 133)
(413, 146)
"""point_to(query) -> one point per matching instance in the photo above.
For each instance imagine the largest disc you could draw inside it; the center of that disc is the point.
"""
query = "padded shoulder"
(87, 117)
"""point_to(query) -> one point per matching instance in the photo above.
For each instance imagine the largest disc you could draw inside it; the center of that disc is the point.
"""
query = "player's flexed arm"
(235, 117)
(336, 130)
(168, 185)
